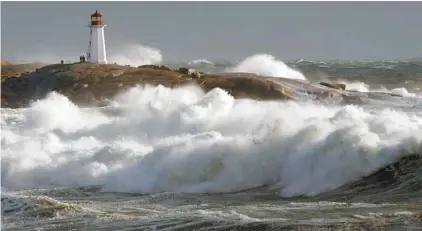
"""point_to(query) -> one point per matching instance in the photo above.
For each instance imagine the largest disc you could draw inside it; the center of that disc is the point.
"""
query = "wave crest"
(266, 65)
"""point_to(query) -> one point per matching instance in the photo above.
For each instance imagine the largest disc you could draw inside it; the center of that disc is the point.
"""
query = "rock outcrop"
(157, 67)
(8, 68)
(11, 70)
(340, 86)
(86, 83)
(190, 72)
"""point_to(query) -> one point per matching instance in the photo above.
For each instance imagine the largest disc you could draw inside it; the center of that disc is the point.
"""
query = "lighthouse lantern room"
(96, 49)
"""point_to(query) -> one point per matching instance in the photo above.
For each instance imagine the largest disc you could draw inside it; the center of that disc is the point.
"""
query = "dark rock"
(184, 70)
(190, 72)
(157, 67)
(339, 86)
(418, 216)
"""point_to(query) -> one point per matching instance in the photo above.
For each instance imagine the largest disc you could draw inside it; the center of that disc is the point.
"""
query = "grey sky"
(212, 30)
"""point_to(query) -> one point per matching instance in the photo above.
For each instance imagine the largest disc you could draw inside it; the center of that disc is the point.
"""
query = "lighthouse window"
(94, 19)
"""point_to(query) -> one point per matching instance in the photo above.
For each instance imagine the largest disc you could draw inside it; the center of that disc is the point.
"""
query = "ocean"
(156, 158)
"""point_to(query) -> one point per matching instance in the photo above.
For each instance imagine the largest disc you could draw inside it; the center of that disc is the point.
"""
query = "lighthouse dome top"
(96, 14)
(97, 19)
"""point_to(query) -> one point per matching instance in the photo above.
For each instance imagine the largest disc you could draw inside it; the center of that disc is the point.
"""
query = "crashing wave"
(266, 65)
(155, 139)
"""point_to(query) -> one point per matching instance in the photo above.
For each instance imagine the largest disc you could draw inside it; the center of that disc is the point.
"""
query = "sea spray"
(136, 55)
(266, 65)
(127, 54)
(155, 139)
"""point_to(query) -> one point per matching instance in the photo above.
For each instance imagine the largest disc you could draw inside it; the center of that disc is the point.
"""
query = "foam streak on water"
(362, 87)
(154, 139)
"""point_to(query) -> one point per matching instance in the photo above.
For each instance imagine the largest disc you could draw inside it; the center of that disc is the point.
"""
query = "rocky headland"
(90, 84)
(9, 69)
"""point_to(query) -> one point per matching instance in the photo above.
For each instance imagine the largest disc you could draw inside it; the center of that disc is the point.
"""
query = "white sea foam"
(266, 65)
(136, 55)
(199, 62)
(363, 87)
(356, 86)
(402, 92)
(154, 139)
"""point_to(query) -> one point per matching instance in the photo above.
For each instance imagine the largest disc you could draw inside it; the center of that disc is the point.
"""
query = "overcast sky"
(214, 30)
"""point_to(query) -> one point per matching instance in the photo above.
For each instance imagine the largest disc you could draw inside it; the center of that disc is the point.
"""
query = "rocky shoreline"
(90, 84)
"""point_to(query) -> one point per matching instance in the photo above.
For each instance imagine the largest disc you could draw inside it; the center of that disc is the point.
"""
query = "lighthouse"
(96, 49)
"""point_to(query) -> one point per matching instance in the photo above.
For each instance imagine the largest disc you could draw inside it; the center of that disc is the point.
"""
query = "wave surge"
(154, 139)
(266, 65)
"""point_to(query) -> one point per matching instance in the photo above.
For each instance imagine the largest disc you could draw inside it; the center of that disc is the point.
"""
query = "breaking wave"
(266, 65)
(154, 139)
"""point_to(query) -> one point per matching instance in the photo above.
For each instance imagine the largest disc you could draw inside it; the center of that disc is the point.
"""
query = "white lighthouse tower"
(96, 49)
